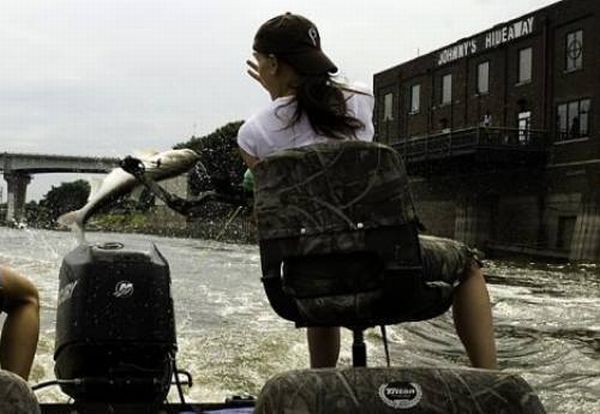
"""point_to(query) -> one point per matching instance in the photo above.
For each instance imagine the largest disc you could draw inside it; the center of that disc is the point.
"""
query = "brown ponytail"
(325, 105)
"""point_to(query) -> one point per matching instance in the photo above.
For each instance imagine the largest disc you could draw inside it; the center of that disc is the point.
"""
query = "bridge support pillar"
(473, 223)
(16, 191)
(585, 243)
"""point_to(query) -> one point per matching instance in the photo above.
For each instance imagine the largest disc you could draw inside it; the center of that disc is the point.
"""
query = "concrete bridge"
(18, 169)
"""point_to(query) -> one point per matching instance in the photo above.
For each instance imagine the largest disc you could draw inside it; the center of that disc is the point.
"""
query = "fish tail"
(80, 234)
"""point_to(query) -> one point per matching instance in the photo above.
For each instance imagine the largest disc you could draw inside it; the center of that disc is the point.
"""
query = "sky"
(114, 77)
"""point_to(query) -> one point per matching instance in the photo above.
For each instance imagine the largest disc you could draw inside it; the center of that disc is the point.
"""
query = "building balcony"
(474, 148)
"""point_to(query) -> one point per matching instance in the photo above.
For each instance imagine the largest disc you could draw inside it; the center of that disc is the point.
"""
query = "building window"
(447, 89)
(415, 98)
(388, 105)
(524, 127)
(524, 65)
(483, 78)
(573, 119)
(574, 51)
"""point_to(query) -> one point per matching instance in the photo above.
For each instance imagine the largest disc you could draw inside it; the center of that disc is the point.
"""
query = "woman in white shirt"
(309, 106)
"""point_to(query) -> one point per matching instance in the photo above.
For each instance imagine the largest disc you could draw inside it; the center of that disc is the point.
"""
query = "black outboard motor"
(115, 326)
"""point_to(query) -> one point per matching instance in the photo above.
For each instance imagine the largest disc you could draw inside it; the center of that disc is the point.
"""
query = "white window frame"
(525, 69)
(566, 112)
(415, 98)
(483, 82)
(574, 50)
(524, 125)
(447, 89)
(388, 107)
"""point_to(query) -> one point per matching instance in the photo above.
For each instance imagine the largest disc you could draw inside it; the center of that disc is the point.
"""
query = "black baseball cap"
(295, 40)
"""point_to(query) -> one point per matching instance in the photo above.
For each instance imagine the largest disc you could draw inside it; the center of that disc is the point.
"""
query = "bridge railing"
(55, 163)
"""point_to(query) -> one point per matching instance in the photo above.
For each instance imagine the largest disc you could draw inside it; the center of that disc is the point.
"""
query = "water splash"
(547, 320)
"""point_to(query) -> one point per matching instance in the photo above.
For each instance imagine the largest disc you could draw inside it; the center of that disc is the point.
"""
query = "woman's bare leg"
(19, 338)
(473, 319)
(323, 346)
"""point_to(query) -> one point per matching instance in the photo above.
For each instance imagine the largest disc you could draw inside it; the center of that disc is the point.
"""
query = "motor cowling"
(115, 325)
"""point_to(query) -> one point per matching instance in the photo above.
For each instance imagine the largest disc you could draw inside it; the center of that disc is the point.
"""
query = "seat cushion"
(16, 397)
(397, 390)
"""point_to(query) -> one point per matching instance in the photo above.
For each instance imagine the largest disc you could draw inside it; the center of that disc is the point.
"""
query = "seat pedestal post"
(359, 348)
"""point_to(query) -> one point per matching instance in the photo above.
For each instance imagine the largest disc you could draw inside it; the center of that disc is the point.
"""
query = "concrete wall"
(517, 220)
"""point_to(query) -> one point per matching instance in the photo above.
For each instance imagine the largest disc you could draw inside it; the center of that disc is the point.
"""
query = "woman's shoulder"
(264, 126)
(273, 112)
(253, 121)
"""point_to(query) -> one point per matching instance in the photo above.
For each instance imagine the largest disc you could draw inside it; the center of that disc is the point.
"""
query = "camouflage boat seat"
(16, 397)
(397, 390)
(338, 238)
(339, 247)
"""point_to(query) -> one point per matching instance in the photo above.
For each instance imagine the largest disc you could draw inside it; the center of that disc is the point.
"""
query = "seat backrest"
(317, 194)
(341, 203)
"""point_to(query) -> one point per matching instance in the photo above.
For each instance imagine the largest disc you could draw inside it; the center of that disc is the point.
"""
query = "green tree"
(37, 216)
(66, 197)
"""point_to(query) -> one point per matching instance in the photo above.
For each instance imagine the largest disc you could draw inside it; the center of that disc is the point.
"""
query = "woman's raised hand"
(253, 72)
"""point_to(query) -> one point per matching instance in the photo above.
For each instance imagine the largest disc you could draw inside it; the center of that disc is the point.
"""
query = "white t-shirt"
(267, 131)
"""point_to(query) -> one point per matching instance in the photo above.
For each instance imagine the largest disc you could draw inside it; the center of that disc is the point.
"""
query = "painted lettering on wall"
(458, 51)
(493, 38)
(507, 33)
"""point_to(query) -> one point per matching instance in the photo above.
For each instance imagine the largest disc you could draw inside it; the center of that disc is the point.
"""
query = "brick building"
(501, 133)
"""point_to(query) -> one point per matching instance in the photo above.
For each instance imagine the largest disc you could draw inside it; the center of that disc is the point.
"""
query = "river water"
(547, 320)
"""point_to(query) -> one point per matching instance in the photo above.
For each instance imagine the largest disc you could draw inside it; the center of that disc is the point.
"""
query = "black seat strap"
(385, 345)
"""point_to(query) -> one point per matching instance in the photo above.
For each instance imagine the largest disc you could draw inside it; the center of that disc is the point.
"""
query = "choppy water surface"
(547, 320)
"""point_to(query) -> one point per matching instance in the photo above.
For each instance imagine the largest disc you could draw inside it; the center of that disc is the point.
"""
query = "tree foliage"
(66, 197)
(74, 195)
(219, 154)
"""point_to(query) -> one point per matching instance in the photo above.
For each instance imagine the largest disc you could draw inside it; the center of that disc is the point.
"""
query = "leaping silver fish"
(118, 182)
